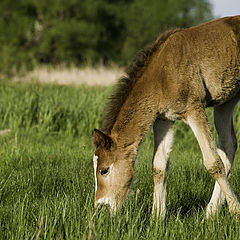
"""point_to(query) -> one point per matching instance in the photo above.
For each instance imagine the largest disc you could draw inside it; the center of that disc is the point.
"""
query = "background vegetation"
(47, 180)
(81, 32)
(46, 173)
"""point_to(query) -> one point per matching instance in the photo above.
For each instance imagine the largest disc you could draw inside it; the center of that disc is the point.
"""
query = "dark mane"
(125, 84)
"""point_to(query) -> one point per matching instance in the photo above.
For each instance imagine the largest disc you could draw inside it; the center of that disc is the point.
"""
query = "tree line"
(81, 32)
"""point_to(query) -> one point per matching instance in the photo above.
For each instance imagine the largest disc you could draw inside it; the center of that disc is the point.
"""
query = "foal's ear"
(101, 139)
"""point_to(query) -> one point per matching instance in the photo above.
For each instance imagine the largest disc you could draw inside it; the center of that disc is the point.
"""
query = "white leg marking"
(223, 119)
(202, 132)
(216, 201)
(163, 139)
(218, 197)
(95, 158)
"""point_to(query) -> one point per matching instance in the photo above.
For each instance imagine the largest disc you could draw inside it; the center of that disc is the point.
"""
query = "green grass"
(47, 181)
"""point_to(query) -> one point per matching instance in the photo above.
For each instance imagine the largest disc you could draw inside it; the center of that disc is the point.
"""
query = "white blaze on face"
(95, 158)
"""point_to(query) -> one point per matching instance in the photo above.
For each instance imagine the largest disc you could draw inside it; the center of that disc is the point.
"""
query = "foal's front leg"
(198, 122)
(163, 138)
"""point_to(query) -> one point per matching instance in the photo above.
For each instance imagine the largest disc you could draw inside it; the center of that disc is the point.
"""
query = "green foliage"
(87, 31)
(146, 20)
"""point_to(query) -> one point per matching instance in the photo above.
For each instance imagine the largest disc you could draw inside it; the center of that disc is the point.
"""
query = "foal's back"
(202, 63)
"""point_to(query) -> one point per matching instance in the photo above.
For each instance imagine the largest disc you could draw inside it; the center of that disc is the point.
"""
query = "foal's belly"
(223, 88)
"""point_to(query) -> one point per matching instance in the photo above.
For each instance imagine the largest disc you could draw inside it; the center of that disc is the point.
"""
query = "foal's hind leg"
(227, 146)
(197, 120)
(163, 139)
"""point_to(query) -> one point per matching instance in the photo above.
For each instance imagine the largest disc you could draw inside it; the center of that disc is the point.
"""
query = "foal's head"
(113, 168)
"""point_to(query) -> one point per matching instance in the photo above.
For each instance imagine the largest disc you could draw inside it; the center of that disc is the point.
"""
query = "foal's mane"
(125, 84)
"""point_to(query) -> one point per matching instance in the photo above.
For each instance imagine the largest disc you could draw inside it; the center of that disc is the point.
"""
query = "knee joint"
(159, 175)
(217, 169)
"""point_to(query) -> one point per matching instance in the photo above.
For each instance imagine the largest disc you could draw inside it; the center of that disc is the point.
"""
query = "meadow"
(47, 179)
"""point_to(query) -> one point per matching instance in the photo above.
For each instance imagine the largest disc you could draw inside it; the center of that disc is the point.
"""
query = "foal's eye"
(104, 171)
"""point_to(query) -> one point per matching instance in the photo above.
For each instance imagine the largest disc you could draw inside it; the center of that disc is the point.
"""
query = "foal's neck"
(136, 115)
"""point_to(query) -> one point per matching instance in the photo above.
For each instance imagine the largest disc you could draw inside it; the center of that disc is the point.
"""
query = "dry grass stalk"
(5, 131)
(100, 75)
(39, 229)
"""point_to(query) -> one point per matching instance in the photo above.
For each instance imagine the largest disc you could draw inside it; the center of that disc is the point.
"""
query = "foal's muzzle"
(106, 204)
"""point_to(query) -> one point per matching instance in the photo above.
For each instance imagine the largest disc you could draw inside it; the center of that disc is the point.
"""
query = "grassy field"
(47, 181)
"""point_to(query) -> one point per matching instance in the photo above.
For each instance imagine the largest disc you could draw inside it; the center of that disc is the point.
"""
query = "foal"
(176, 77)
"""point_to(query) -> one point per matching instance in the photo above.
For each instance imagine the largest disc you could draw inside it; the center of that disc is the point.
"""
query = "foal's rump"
(220, 65)
(208, 58)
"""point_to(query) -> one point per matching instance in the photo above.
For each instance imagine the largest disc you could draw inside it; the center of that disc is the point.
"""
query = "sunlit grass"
(47, 181)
